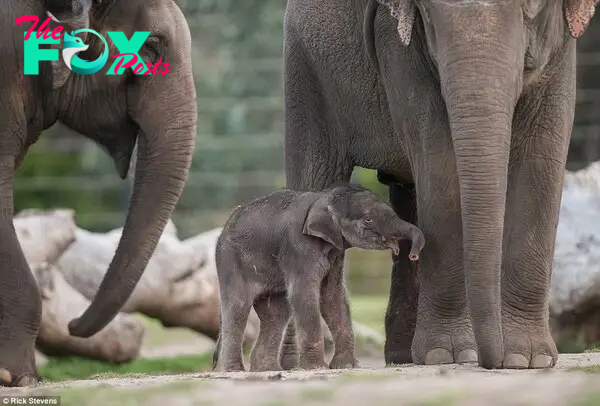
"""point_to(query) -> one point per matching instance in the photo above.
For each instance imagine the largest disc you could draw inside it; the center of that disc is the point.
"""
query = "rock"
(44, 236)
(575, 290)
(179, 286)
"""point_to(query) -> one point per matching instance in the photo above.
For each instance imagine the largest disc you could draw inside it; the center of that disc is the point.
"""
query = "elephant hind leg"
(236, 303)
(273, 312)
(401, 314)
(20, 302)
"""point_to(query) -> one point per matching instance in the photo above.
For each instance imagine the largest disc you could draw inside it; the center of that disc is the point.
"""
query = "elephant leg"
(304, 295)
(443, 333)
(336, 313)
(312, 160)
(401, 314)
(20, 301)
(235, 309)
(274, 313)
(542, 129)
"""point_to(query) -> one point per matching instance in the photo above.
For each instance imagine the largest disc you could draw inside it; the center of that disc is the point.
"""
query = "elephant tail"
(215, 359)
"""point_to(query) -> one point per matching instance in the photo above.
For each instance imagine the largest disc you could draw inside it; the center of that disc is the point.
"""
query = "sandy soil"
(370, 385)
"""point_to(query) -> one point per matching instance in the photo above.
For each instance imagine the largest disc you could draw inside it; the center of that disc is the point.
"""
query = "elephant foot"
(398, 357)
(17, 367)
(312, 364)
(289, 362)
(528, 346)
(444, 343)
(265, 366)
(343, 361)
(234, 368)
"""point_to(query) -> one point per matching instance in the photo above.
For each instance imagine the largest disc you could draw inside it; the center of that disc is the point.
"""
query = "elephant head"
(63, 10)
(157, 110)
(352, 216)
(485, 55)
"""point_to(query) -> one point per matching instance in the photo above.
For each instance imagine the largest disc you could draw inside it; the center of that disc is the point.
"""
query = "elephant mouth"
(392, 244)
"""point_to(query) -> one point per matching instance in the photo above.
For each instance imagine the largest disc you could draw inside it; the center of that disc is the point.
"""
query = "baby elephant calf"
(283, 254)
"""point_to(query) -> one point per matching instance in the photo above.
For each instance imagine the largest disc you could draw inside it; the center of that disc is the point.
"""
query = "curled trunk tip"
(418, 242)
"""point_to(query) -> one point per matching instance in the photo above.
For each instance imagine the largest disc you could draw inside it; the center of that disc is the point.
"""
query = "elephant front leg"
(443, 332)
(304, 298)
(542, 129)
(401, 314)
(336, 313)
(20, 301)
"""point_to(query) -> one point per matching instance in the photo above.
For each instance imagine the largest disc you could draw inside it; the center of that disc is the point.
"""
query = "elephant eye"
(367, 219)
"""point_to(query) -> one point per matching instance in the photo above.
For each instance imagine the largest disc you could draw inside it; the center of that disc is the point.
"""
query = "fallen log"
(179, 286)
(575, 292)
(44, 236)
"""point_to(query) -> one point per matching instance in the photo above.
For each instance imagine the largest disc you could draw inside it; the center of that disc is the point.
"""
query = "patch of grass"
(589, 399)
(156, 335)
(109, 396)
(317, 395)
(368, 271)
(69, 368)
(369, 310)
(590, 369)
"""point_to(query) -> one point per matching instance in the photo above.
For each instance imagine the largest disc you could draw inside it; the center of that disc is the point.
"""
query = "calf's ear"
(319, 223)
(578, 14)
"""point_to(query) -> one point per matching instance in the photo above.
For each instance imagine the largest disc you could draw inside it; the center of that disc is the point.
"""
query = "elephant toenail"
(439, 356)
(516, 361)
(467, 357)
(27, 381)
(542, 361)
(5, 377)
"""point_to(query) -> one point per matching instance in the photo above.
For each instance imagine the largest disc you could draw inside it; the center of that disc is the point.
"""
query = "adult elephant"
(469, 120)
(158, 111)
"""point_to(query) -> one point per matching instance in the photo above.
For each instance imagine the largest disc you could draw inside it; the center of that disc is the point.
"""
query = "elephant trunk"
(417, 243)
(399, 230)
(481, 78)
(163, 162)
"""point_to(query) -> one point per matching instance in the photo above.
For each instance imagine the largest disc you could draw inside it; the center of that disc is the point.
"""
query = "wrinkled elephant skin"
(157, 111)
(465, 109)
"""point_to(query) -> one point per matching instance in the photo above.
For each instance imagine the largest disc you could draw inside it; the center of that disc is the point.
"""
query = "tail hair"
(215, 359)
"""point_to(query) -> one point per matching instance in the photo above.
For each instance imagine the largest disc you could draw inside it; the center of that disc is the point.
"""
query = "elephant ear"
(405, 12)
(319, 223)
(578, 14)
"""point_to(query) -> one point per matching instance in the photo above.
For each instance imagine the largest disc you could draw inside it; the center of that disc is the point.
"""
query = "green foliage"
(68, 368)
(590, 369)
(368, 178)
(369, 310)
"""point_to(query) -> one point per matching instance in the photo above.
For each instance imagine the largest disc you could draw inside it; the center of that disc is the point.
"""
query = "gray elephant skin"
(281, 254)
(115, 111)
(465, 109)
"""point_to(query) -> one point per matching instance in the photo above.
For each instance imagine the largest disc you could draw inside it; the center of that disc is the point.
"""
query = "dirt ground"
(371, 385)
